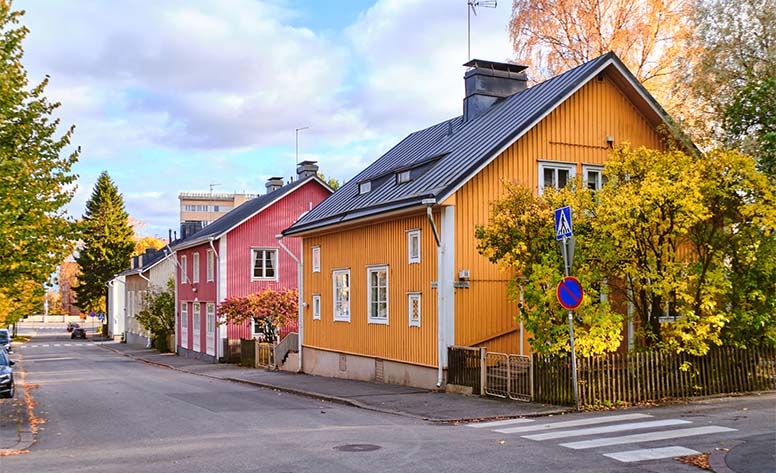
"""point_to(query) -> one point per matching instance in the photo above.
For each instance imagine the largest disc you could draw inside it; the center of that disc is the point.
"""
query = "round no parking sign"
(570, 293)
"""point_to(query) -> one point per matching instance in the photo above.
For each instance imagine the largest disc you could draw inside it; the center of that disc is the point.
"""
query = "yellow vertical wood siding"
(382, 243)
(575, 132)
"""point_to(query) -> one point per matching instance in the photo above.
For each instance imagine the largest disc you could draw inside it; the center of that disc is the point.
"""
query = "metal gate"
(509, 376)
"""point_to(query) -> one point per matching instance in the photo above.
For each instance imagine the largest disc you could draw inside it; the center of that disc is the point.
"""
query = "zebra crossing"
(601, 428)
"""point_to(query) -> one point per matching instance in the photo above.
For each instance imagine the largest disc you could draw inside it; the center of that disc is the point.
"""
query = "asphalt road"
(107, 413)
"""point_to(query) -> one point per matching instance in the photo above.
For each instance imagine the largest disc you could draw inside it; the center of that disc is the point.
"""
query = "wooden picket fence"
(652, 376)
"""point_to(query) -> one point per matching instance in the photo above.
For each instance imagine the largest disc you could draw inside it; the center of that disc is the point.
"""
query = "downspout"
(429, 203)
(217, 281)
(300, 302)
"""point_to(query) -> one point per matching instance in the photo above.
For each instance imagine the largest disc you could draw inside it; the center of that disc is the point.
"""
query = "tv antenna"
(296, 140)
(472, 8)
(212, 185)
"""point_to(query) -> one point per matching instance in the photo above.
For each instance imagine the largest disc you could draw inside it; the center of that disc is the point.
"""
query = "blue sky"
(172, 96)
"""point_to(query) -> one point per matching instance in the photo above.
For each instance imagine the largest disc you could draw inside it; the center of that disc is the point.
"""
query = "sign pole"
(571, 332)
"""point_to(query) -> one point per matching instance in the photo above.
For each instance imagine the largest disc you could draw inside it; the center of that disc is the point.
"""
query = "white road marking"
(650, 454)
(498, 423)
(647, 437)
(572, 423)
(606, 429)
(62, 358)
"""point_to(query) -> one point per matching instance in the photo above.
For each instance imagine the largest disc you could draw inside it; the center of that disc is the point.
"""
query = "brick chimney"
(306, 169)
(273, 184)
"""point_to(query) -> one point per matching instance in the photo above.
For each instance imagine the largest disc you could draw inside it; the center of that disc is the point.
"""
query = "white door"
(195, 314)
(210, 328)
(185, 324)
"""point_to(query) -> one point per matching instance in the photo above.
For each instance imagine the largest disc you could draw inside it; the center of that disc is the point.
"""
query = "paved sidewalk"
(388, 398)
(15, 429)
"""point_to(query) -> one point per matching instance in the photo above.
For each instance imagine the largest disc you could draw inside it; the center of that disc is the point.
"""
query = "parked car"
(7, 386)
(72, 326)
(5, 339)
(78, 333)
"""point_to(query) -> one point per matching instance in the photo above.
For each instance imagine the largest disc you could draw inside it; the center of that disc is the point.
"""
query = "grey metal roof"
(241, 213)
(460, 149)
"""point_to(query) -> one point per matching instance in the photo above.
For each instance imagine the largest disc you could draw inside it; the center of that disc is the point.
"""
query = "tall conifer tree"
(107, 243)
(35, 179)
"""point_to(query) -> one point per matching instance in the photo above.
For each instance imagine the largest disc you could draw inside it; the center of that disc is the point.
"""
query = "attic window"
(402, 176)
(365, 187)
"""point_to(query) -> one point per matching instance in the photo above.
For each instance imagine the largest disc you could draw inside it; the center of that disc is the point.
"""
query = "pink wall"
(203, 291)
(260, 231)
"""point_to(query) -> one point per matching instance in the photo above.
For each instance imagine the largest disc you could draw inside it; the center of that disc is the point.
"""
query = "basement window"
(365, 187)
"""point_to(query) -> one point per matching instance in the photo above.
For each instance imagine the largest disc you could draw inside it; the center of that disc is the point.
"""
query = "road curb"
(341, 400)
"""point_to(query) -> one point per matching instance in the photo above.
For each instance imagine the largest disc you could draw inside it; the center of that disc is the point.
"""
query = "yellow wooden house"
(391, 274)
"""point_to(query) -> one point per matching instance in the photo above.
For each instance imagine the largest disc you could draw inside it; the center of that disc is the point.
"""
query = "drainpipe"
(300, 302)
(429, 203)
(217, 280)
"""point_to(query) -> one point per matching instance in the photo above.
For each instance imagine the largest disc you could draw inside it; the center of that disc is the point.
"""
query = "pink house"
(237, 255)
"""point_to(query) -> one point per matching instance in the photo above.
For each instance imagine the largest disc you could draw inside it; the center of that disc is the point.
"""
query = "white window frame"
(254, 251)
(316, 258)
(372, 317)
(184, 269)
(340, 316)
(195, 267)
(210, 317)
(599, 182)
(316, 307)
(403, 176)
(554, 165)
(365, 187)
(184, 315)
(412, 259)
(410, 297)
(211, 265)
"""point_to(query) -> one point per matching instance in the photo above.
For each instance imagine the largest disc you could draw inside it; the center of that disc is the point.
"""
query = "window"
(195, 267)
(413, 246)
(210, 317)
(341, 285)
(403, 176)
(378, 294)
(316, 307)
(184, 315)
(555, 175)
(195, 317)
(184, 270)
(265, 263)
(316, 259)
(365, 187)
(594, 177)
(211, 265)
(413, 308)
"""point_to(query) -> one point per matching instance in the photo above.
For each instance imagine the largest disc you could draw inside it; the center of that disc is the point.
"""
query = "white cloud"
(172, 96)
(414, 52)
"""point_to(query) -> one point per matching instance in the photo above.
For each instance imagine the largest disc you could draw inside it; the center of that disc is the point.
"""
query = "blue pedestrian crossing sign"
(563, 223)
